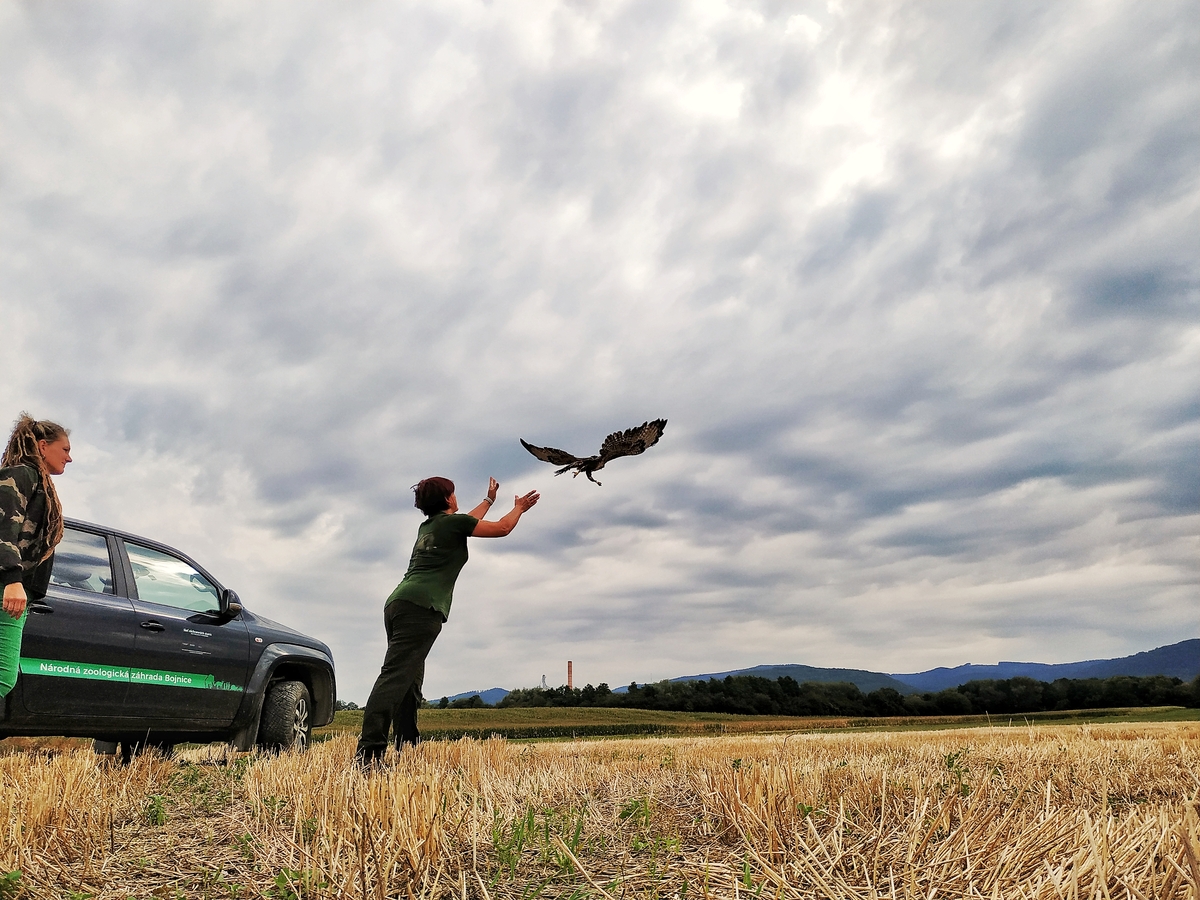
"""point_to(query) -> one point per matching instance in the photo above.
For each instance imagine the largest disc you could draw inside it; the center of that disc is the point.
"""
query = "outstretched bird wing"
(632, 441)
(550, 455)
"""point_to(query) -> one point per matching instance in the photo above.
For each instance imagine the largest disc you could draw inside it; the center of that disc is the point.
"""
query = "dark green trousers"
(411, 631)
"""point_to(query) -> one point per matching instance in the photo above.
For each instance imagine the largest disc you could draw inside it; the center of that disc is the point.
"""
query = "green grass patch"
(568, 722)
(1121, 715)
(558, 723)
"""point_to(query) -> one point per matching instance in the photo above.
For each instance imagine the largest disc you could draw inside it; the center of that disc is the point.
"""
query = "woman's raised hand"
(528, 501)
(493, 486)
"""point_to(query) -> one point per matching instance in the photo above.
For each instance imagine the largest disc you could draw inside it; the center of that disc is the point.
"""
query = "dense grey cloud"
(916, 287)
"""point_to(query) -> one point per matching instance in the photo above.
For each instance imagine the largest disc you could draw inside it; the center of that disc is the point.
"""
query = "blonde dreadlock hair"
(22, 450)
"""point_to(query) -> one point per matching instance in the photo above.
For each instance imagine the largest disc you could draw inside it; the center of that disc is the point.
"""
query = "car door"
(191, 662)
(79, 640)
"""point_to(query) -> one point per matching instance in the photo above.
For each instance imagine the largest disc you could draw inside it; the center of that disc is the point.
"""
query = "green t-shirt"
(438, 556)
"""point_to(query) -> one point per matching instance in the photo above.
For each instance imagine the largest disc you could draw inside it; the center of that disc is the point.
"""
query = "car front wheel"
(286, 717)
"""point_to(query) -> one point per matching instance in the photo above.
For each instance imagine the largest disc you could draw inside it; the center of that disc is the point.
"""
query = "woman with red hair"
(414, 612)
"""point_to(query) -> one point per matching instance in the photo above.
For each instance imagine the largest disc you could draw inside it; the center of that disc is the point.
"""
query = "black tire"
(286, 721)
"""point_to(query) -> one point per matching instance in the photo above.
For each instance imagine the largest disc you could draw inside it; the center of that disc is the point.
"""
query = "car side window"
(81, 562)
(165, 579)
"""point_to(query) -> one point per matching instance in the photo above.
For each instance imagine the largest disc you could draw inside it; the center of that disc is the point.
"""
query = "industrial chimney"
(570, 675)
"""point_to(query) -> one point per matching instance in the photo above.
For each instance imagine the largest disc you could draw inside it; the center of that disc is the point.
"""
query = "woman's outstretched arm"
(482, 509)
(507, 523)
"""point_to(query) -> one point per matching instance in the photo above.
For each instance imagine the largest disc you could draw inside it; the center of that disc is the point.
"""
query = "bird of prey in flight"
(619, 443)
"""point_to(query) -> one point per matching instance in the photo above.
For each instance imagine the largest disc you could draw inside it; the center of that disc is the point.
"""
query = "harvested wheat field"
(1087, 811)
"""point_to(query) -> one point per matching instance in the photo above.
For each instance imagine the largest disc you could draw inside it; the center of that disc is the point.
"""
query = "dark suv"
(135, 644)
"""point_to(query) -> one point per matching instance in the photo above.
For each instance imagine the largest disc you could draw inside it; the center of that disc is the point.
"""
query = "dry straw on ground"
(1079, 812)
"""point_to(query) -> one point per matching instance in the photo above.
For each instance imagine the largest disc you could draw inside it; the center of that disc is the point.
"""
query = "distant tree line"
(472, 702)
(751, 695)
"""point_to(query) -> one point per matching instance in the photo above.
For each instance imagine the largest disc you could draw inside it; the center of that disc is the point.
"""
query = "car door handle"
(40, 608)
(154, 626)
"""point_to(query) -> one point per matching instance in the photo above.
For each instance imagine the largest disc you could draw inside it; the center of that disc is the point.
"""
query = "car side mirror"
(231, 604)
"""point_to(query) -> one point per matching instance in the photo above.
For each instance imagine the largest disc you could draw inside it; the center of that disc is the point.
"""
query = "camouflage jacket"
(23, 530)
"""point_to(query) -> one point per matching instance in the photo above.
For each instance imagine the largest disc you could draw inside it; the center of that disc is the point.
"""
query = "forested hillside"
(749, 695)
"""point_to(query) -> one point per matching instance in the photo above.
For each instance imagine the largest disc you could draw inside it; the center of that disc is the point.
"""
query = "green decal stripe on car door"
(59, 669)
(55, 668)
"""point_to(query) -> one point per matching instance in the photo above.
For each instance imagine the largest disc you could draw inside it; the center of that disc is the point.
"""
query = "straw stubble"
(1056, 812)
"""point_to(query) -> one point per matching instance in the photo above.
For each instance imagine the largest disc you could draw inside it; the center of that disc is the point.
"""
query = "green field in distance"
(558, 723)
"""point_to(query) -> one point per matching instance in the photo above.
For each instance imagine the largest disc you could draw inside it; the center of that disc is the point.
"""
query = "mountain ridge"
(1180, 660)
(866, 681)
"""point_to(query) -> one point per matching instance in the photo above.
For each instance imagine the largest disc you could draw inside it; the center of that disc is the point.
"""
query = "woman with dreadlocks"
(414, 613)
(31, 525)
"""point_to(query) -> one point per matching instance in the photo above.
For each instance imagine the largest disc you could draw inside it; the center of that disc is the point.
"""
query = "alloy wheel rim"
(300, 725)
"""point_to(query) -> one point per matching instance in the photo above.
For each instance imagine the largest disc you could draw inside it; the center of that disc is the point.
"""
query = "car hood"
(271, 631)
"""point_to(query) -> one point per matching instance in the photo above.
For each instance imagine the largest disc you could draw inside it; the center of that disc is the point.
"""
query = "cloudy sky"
(915, 284)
